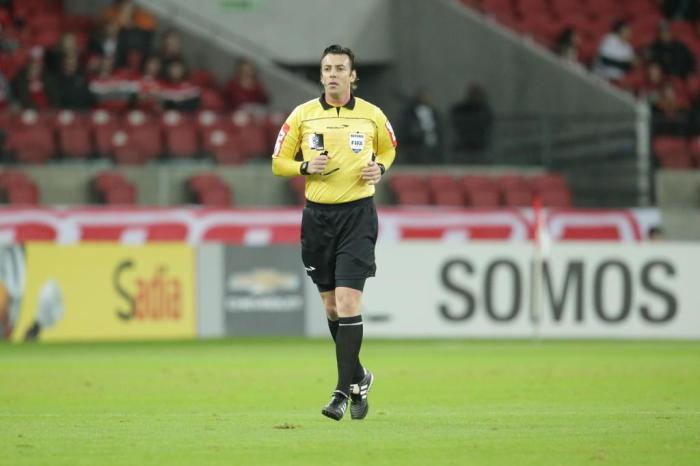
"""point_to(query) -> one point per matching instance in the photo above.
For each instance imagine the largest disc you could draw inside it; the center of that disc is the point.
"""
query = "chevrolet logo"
(263, 281)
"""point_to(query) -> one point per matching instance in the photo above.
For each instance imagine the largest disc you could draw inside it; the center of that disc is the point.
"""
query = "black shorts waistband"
(342, 205)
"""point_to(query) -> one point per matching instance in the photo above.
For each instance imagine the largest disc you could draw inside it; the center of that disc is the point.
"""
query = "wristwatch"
(304, 168)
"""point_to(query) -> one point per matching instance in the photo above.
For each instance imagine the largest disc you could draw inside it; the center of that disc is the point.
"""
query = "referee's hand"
(371, 173)
(318, 164)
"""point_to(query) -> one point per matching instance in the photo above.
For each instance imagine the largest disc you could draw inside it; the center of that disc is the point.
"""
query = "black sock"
(359, 370)
(348, 341)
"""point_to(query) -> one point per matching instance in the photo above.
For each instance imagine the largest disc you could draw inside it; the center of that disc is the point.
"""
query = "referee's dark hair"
(336, 49)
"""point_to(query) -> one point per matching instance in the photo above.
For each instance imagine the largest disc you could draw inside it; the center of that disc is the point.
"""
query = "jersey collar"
(326, 106)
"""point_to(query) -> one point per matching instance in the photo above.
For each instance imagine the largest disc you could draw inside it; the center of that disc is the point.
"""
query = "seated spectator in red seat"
(149, 85)
(674, 56)
(8, 42)
(615, 54)
(108, 42)
(75, 93)
(4, 92)
(670, 113)
(110, 89)
(177, 92)
(566, 45)
(68, 45)
(34, 87)
(653, 85)
(245, 86)
(680, 9)
(171, 49)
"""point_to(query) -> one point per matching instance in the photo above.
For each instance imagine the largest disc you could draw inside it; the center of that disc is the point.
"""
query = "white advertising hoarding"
(588, 290)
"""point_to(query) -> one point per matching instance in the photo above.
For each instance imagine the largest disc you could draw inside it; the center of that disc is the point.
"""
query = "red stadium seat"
(211, 99)
(111, 187)
(676, 160)
(27, 194)
(31, 139)
(665, 145)
(121, 195)
(226, 147)
(445, 190)
(208, 189)
(253, 133)
(517, 196)
(180, 135)
(104, 125)
(480, 192)
(556, 196)
(217, 196)
(74, 139)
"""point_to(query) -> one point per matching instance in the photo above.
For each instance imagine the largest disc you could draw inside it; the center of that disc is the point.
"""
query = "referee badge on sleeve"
(357, 142)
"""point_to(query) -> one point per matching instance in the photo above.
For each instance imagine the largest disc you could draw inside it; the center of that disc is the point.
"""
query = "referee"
(347, 144)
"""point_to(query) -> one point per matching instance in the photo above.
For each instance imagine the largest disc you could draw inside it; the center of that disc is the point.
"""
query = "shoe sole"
(331, 415)
(364, 414)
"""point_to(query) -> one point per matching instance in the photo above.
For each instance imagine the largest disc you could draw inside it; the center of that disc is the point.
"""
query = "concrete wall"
(253, 185)
(678, 197)
(295, 32)
(444, 46)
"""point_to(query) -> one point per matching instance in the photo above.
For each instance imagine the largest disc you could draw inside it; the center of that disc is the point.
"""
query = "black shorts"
(337, 242)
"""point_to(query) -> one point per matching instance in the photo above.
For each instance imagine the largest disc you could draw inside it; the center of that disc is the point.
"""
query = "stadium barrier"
(588, 290)
(235, 273)
(100, 292)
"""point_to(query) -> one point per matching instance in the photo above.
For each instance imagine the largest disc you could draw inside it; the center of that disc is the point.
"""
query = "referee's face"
(336, 76)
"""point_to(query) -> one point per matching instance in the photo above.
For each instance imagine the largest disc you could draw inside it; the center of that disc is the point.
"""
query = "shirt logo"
(280, 139)
(316, 141)
(357, 142)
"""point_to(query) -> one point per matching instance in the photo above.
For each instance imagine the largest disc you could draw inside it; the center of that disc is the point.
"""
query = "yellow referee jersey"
(351, 135)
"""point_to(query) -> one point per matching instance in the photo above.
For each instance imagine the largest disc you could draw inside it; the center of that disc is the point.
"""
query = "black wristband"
(382, 168)
(304, 168)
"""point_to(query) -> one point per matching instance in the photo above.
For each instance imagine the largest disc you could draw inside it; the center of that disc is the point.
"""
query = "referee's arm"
(286, 147)
(386, 143)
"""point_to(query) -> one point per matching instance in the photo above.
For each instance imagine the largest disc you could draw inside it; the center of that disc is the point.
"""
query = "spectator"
(421, 132)
(245, 87)
(129, 15)
(67, 45)
(75, 93)
(171, 49)
(670, 113)
(110, 89)
(651, 89)
(4, 92)
(178, 93)
(673, 55)
(8, 43)
(472, 119)
(107, 43)
(149, 84)
(615, 54)
(135, 25)
(688, 10)
(566, 45)
(34, 87)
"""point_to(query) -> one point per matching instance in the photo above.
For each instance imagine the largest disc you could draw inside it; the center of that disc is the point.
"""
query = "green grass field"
(434, 402)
